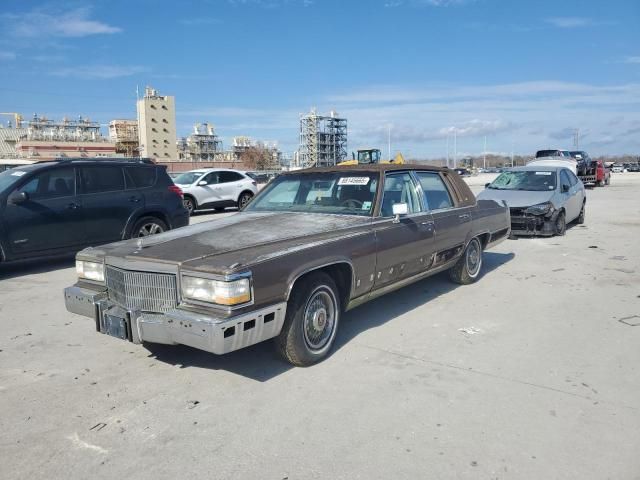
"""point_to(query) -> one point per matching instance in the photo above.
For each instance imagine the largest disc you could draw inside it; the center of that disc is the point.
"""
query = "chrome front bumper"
(177, 326)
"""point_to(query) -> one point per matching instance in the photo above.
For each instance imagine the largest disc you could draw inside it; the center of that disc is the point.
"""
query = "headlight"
(540, 209)
(90, 270)
(216, 291)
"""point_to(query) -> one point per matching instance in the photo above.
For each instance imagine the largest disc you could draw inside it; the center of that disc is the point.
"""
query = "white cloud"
(41, 22)
(634, 60)
(99, 72)
(7, 56)
(570, 22)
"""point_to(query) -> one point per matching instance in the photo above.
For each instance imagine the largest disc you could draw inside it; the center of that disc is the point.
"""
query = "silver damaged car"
(542, 200)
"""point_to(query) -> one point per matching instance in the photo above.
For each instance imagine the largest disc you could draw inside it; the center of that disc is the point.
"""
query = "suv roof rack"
(146, 161)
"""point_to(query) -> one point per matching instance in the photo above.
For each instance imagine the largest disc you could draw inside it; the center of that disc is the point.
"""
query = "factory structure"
(42, 138)
(322, 140)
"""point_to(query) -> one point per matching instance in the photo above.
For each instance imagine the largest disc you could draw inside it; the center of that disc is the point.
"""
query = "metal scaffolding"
(202, 145)
(323, 140)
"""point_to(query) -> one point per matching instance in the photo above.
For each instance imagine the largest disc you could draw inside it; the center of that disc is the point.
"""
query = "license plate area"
(115, 324)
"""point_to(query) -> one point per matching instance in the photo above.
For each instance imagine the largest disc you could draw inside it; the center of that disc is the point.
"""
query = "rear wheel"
(245, 197)
(313, 314)
(467, 268)
(561, 224)
(148, 226)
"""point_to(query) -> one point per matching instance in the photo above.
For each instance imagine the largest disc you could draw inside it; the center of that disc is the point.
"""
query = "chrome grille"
(145, 291)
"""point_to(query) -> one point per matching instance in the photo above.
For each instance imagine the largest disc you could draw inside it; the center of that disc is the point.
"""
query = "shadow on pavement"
(32, 267)
(260, 362)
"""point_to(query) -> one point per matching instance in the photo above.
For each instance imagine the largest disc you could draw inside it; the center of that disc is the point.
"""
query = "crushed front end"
(534, 220)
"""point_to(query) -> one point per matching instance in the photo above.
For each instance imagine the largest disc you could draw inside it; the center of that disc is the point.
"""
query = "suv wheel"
(245, 197)
(189, 204)
(147, 226)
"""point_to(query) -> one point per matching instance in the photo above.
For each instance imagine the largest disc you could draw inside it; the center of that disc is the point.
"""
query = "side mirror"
(16, 198)
(202, 183)
(565, 188)
(398, 210)
(486, 185)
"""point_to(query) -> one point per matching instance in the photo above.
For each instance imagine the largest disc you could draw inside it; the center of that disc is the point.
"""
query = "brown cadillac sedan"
(311, 245)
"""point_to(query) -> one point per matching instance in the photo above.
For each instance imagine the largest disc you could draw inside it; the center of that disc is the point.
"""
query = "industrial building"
(323, 140)
(124, 133)
(157, 126)
(46, 139)
(203, 145)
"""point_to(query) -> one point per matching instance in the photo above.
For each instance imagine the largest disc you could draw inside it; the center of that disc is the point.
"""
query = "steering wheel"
(352, 203)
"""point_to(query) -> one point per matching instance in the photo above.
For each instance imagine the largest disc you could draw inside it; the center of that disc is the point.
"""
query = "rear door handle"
(73, 206)
(134, 199)
(464, 216)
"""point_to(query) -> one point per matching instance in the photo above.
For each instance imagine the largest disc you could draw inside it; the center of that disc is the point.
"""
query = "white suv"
(216, 188)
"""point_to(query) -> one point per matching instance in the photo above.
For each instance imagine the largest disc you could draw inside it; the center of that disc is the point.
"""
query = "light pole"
(484, 154)
(389, 142)
(447, 148)
(455, 147)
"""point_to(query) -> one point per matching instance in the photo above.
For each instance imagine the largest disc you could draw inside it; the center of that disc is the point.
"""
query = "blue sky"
(524, 74)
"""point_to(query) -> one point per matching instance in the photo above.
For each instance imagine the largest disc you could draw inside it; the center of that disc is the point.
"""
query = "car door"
(231, 184)
(50, 219)
(404, 248)
(107, 205)
(452, 224)
(575, 194)
(209, 194)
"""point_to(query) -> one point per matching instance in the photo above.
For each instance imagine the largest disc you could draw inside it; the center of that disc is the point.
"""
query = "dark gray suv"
(50, 208)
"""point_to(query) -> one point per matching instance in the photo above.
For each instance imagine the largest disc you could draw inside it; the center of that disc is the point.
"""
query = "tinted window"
(225, 177)
(399, 188)
(59, 182)
(102, 179)
(140, 177)
(212, 178)
(435, 191)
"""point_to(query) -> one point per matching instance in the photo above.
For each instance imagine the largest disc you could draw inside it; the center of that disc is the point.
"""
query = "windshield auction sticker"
(353, 181)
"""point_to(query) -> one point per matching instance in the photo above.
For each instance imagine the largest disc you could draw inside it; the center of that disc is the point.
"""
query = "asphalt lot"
(543, 384)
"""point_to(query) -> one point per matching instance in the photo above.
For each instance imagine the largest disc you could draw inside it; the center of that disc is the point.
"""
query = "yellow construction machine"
(367, 156)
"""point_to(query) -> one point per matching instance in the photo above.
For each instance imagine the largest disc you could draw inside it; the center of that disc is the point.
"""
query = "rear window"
(140, 177)
(102, 179)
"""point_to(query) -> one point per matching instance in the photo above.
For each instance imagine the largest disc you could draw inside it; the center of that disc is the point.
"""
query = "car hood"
(237, 240)
(516, 198)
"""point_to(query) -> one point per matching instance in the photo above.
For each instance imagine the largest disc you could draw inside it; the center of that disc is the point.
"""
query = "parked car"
(462, 172)
(216, 188)
(553, 152)
(8, 163)
(50, 208)
(633, 167)
(312, 244)
(617, 168)
(541, 200)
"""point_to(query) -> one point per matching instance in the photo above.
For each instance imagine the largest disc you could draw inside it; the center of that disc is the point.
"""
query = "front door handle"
(73, 206)
(134, 199)
(464, 216)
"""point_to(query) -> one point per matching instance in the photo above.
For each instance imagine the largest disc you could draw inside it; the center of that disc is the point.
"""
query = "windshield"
(368, 156)
(535, 181)
(548, 153)
(10, 177)
(349, 193)
(187, 178)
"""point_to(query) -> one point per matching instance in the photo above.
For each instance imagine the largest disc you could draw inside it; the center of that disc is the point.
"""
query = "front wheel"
(607, 181)
(580, 219)
(561, 224)
(190, 204)
(311, 323)
(467, 268)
